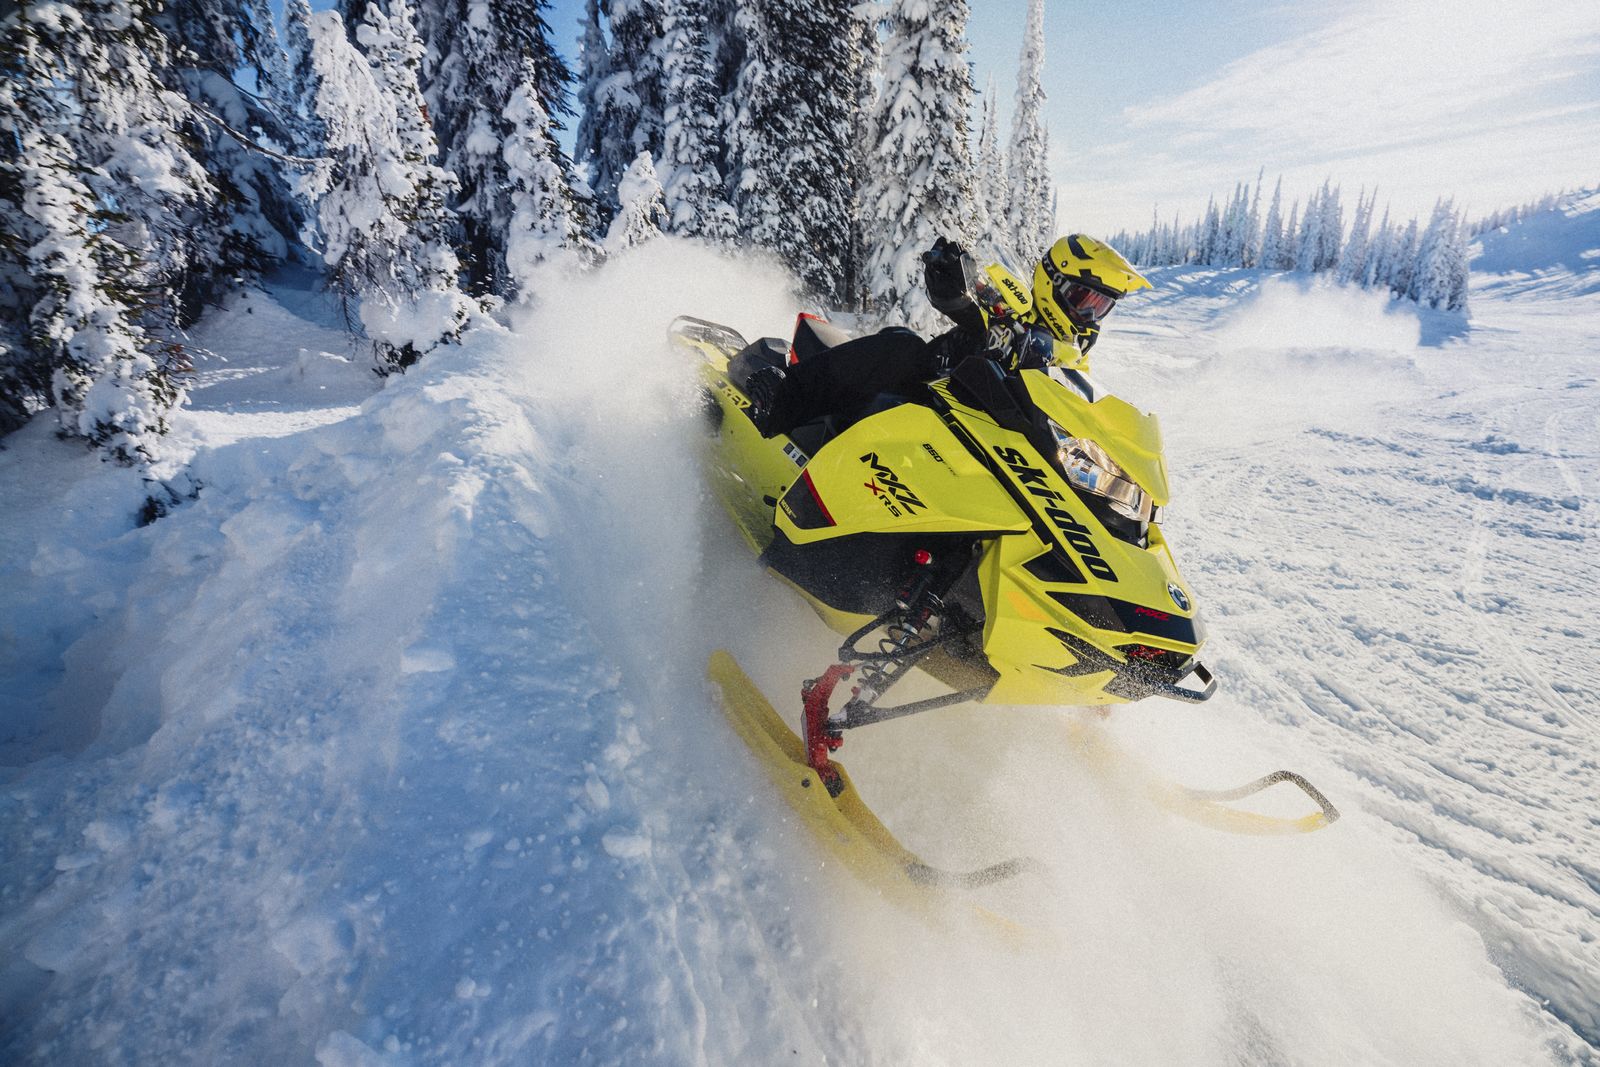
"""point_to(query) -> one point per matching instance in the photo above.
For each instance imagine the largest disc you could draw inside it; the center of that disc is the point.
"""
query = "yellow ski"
(845, 827)
(1206, 807)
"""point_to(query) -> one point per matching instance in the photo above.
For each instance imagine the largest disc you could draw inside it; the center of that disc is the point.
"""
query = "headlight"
(1089, 468)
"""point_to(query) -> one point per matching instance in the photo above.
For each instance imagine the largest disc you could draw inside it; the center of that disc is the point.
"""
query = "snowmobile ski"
(1206, 807)
(841, 822)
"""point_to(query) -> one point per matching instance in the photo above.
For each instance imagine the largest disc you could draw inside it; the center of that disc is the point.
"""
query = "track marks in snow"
(1413, 575)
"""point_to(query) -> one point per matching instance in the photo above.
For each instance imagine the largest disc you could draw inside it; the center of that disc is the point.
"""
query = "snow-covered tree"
(107, 382)
(991, 199)
(97, 191)
(235, 135)
(1209, 236)
(1250, 245)
(544, 219)
(642, 212)
(1271, 254)
(1309, 245)
(1289, 256)
(1030, 212)
(1331, 231)
(792, 133)
(1353, 261)
(920, 170)
(297, 91)
(1403, 261)
(621, 94)
(863, 134)
(1376, 271)
(480, 53)
(691, 134)
(1440, 277)
(380, 202)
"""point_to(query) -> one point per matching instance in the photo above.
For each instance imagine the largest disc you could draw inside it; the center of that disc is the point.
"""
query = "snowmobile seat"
(813, 335)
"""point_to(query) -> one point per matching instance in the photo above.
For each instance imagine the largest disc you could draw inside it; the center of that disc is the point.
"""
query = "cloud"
(1488, 101)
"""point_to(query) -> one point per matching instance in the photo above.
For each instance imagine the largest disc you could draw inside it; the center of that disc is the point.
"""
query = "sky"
(1162, 104)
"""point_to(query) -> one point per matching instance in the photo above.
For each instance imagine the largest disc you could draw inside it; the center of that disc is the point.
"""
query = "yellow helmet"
(1078, 282)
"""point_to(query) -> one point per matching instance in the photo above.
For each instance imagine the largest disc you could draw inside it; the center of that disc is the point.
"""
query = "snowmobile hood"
(1130, 436)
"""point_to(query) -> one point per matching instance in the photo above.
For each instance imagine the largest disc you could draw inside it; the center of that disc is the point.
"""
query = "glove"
(950, 274)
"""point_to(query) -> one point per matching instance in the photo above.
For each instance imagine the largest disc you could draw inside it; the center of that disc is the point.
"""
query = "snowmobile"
(998, 532)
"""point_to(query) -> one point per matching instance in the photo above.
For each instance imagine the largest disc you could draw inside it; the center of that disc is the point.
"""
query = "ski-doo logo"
(1074, 532)
(1015, 288)
(887, 487)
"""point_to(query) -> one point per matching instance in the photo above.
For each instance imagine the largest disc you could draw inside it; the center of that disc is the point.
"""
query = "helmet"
(1078, 282)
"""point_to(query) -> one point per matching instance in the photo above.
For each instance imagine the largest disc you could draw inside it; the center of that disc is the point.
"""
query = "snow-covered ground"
(393, 747)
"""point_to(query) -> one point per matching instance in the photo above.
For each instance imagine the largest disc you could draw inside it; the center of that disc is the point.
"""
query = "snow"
(393, 746)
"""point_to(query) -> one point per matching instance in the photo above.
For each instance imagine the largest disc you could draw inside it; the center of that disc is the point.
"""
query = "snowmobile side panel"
(897, 472)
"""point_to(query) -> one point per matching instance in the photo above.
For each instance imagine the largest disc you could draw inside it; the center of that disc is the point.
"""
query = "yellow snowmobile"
(1001, 532)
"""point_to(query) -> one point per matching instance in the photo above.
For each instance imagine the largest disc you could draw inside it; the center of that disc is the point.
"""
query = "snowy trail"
(425, 770)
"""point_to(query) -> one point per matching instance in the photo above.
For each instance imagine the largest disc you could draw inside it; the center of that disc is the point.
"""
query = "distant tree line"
(1513, 215)
(157, 154)
(1427, 264)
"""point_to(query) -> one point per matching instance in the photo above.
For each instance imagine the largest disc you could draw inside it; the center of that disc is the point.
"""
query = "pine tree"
(1403, 263)
(868, 24)
(692, 136)
(1210, 235)
(919, 167)
(1030, 213)
(642, 210)
(544, 218)
(1458, 265)
(596, 102)
(297, 92)
(992, 196)
(1235, 224)
(792, 135)
(1310, 242)
(1353, 261)
(483, 52)
(622, 95)
(1250, 247)
(1378, 254)
(1272, 236)
(380, 202)
(1331, 231)
(1289, 255)
(1440, 277)
(247, 226)
(96, 192)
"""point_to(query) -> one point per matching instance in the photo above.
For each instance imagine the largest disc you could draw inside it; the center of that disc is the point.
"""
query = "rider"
(1075, 286)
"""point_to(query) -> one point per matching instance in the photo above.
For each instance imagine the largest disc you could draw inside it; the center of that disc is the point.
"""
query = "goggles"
(1084, 304)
